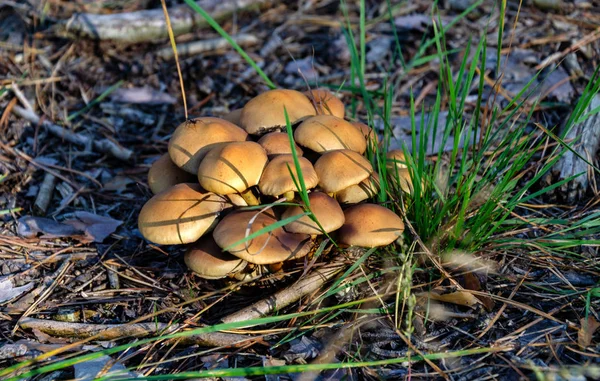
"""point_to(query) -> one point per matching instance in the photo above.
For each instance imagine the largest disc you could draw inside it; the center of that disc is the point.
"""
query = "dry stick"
(45, 193)
(149, 25)
(105, 332)
(197, 47)
(287, 296)
(101, 145)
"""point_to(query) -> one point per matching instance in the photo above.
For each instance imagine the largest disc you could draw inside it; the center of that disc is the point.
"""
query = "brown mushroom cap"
(326, 103)
(324, 133)
(192, 140)
(233, 116)
(395, 159)
(276, 179)
(370, 225)
(265, 111)
(366, 189)
(232, 167)
(402, 179)
(327, 211)
(367, 132)
(273, 247)
(163, 174)
(277, 143)
(340, 169)
(181, 214)
(206, 259)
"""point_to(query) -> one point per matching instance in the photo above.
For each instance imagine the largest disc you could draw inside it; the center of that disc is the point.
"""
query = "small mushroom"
(206, 259)
(277, 143)
(326, 103)
(180, 214)
(340, 169)
(364, 190)
(325, 209)
(265, 112)
(324, 133)
(370, 225)
(163, 174)
(276, 180)
(233, 168)
(192, 140)
(268, 248)
(398, 170)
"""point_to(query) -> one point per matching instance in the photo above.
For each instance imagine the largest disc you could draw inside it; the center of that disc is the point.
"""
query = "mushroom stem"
(249, 197)
(289, 196)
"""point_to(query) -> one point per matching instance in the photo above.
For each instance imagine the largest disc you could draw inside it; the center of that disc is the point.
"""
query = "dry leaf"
(586, 332)
(8, 291)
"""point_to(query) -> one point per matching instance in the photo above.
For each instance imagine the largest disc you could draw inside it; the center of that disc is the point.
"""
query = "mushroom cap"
(367, 132)
(403, 179)
(395, 159)
(370, 225)
(272, 247)
(180, 214)
(326, 102)
(326, 209)
(276, 179)
(265, 111)
(192, 140)
(206, 259)
(323, 133)
(366, 189)
(277, 143)
(163, 174)
(232, 167)
(233, 116)
(340, 169)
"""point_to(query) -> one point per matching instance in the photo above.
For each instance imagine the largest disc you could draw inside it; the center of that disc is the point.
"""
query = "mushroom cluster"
(215, 167)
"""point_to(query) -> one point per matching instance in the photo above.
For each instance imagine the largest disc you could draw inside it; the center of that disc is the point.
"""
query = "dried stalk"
(287, 296)
(45, 193)
(105, 332)
(101, 145)
(197, 47)
(148, 25)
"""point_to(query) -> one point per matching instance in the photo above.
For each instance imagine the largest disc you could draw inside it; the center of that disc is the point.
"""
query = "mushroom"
(163, 174)
(324, 133)
(398, 170)
(326, 103)
(325, 209)
(180, 214)
(268, 248)
(367, 132)
(277, 180)
(192, 140)
(233, 168)
(340, 169)
(366, 189)
(265, 112)
(233, 116)
(370, 225)
(277, 143)
(206, 259)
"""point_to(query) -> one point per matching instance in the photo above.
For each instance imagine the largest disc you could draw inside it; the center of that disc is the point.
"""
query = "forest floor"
(82, 120)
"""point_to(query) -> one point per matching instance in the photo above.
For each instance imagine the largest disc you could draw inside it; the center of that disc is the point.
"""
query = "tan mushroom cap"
(233, 116)
(181, 214)
(326, 103)
(395, 159)
(340, 169)
(277, 143)
(276, 179)
(370, 225)
(366, 189)
(273, 247)
(324, 133)
(232, 167)
(206, 259)
(367, 132)
(192, 140)
(265, 111)
(403, 180)
(326, 209)
(163, 174)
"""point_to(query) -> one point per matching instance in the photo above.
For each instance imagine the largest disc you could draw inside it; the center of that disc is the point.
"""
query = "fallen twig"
(197, 47)
(101, 145)
(148, 25)
(287, 296)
